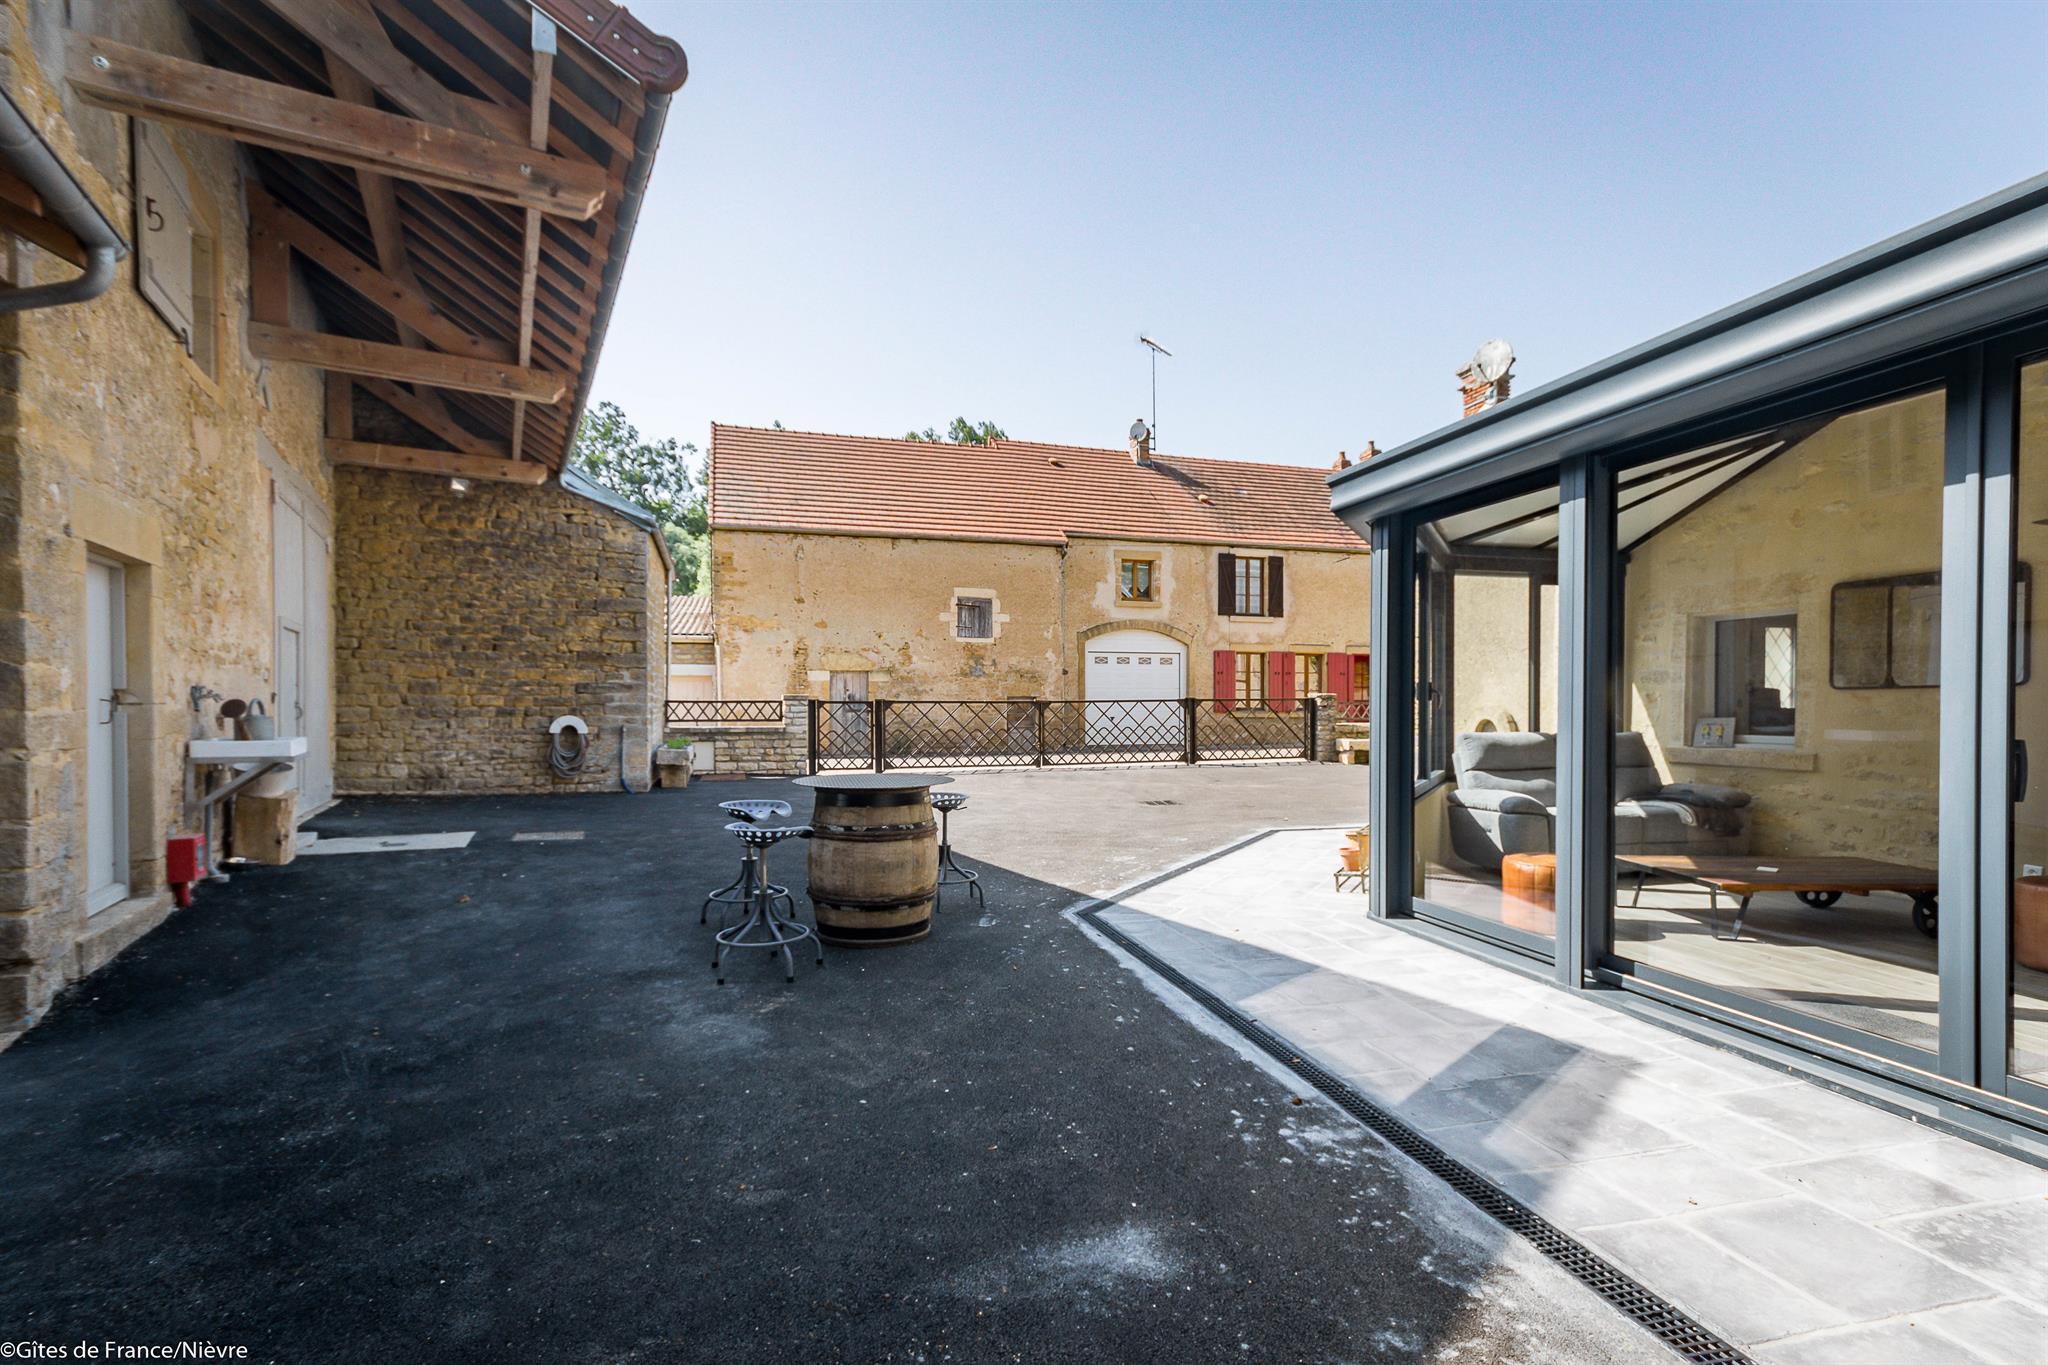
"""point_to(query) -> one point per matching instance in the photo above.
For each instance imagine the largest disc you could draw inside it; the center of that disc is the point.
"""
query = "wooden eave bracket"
(150, 85)
(453, 464)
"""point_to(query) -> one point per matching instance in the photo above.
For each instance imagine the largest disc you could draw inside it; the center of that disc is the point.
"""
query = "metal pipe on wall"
(65, 200)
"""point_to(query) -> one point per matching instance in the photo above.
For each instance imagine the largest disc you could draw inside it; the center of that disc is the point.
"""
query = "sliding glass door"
(1485, 812)
(2016, 940)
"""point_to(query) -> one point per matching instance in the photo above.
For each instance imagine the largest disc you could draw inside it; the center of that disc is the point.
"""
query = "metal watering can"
(256, 721)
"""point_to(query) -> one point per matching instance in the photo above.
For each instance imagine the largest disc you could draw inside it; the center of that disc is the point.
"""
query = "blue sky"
(866, 218)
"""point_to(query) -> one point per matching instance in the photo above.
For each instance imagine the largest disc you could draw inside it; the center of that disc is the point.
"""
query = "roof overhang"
(455, 182)
(1973, 270)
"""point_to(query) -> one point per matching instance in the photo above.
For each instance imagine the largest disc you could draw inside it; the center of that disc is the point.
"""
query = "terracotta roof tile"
(689, 615)
(1011, 490)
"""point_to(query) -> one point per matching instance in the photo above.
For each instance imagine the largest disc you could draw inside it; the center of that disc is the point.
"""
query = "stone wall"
(761, 750)
(466, 622)
(115, 444)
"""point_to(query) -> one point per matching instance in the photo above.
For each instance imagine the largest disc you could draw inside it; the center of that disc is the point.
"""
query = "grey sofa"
(1506, 802)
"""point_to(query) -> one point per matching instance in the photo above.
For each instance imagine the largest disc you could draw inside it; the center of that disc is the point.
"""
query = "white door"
(301, 572)
(1133, 681)
(106, 743)
(316, 690)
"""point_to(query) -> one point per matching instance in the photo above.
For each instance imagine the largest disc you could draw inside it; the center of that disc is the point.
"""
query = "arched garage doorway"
(1133, 681)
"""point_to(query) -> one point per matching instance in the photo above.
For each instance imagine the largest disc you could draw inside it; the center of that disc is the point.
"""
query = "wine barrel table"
(874, 874)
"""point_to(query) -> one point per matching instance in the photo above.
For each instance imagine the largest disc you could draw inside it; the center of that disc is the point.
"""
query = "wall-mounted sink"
(246, 750)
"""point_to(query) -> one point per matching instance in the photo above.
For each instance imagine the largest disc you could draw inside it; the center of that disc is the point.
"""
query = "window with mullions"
(1486, 668)
(1251, 678)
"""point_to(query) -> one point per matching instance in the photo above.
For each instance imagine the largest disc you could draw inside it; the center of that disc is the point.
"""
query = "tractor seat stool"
(950, 872)
(740, 890)
(763, 927)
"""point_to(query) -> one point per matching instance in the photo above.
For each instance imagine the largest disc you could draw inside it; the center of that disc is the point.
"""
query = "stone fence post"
(1322, 747)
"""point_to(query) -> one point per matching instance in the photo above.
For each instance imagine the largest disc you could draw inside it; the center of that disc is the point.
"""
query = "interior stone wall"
(466, 622)
(113, 443)
(1861, 498)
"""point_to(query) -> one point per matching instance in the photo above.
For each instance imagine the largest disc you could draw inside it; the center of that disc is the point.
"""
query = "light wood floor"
(1860, 963)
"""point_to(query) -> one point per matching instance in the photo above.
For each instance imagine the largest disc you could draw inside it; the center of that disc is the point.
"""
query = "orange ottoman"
(2030, 922)
(1528, 892)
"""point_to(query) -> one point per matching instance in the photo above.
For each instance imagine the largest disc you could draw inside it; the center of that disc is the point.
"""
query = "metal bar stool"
(740, 890)
(763, 927)
(950, 872)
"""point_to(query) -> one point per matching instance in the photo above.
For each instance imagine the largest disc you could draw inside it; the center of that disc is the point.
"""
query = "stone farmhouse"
(852, 567)
(300, 303)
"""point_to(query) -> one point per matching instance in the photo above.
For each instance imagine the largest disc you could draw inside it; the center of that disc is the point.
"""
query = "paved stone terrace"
(1803, 1224)
(486, 1103)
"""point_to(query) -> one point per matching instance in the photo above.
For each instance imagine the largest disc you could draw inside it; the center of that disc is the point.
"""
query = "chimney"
(1371, 449)
(1141, 443)
(1342, 461)
(1485, 378)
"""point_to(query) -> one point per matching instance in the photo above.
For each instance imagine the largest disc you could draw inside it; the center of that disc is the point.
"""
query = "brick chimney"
(1485, 378)
(1342, 461)
(1141, 443)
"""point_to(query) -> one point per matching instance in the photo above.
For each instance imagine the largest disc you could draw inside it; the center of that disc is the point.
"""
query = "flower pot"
(672, 767)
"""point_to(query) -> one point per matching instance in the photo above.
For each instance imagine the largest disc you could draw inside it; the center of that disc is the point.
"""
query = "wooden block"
(265, 828)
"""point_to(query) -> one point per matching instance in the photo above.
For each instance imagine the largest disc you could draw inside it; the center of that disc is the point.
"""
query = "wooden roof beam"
(150, 85)
(350, 355)
(351, 33)
(414, 460)
(435, 417)
(539, 102)
(404, 300)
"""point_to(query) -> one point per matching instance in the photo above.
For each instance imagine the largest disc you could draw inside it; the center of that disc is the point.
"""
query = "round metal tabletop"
(873, 782)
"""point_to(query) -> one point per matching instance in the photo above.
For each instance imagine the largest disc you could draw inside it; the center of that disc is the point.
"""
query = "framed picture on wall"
(1713, 732)
(1886, 632)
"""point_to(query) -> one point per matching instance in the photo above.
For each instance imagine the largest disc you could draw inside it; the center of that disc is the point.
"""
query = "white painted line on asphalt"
(549, 836)
(390, 843)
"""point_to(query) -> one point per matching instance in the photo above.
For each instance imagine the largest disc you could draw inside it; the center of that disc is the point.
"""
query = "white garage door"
(1129, 675)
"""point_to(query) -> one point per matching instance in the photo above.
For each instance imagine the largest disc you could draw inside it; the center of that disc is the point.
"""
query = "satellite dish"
(1139, 431)
(1493, 360)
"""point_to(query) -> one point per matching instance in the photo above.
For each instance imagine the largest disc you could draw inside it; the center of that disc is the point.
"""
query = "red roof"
(764, 479)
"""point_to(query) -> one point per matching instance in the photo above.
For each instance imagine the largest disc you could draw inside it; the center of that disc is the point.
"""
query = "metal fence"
(1354, 710)
(768, 712)
(880, 735)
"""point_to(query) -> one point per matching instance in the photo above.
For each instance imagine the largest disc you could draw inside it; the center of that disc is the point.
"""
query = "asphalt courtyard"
(487, 1103)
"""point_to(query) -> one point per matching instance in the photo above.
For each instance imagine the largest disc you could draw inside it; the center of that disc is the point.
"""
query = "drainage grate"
(1663, 1320)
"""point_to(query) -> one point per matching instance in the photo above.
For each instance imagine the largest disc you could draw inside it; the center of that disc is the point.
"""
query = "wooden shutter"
(1337, 676)
(1280, 680)
(1276, 599)
(1223, 676)
(1226, 584)
(163, 229)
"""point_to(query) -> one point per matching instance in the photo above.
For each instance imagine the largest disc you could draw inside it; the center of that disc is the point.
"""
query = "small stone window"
(974, 618)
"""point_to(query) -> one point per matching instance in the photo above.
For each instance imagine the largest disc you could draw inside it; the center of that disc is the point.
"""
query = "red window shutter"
(1223, 677)
(1280, 680)
(1337, 676)
(1226, 586)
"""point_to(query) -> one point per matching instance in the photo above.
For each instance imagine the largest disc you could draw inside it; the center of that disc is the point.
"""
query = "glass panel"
(1485, 836)
(1777, 775)
(2029, 986)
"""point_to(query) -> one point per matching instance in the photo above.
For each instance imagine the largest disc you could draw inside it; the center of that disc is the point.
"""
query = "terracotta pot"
(2030, 923)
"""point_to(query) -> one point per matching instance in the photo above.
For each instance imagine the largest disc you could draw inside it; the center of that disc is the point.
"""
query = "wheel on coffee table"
(1819, 900)
(1925, 915)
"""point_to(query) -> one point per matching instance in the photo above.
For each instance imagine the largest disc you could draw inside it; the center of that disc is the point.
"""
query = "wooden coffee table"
(1817, 881)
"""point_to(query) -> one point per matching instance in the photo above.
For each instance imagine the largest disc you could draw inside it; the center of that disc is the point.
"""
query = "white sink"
(246, 750)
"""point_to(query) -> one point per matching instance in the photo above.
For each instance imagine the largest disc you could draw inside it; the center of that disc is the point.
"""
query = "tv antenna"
(1157, 351)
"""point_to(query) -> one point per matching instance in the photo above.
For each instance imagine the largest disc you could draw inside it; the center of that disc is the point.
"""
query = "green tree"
(667, 477)
(962, 433)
